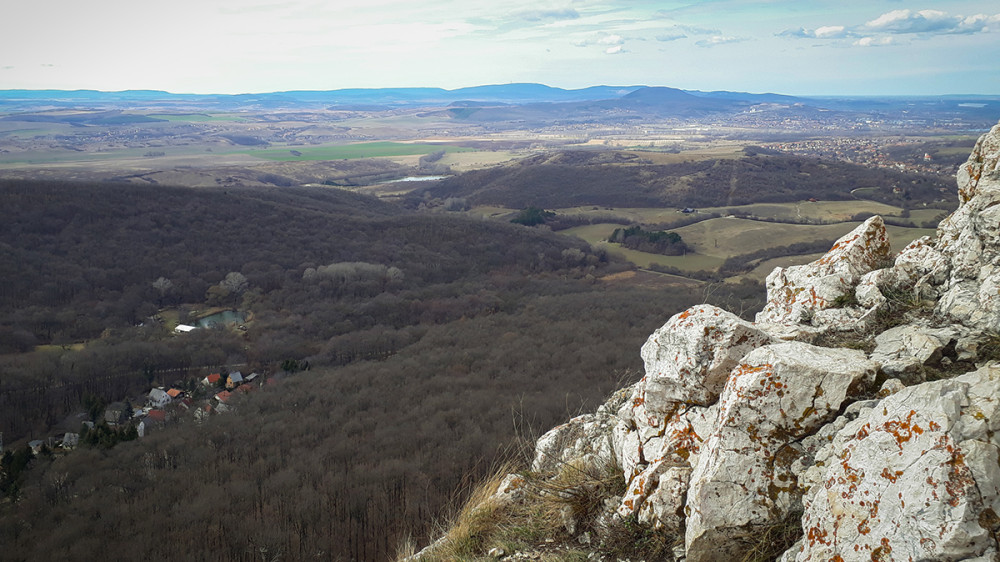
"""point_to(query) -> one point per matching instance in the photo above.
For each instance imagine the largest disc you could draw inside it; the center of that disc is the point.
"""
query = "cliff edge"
(857, 419)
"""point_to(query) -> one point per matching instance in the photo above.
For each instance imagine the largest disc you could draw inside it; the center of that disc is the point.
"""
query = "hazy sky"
(234, 46)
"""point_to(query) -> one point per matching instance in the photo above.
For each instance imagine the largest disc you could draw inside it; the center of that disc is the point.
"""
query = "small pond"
(223, 318)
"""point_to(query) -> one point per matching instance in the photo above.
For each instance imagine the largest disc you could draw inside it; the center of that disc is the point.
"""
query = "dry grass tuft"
(989, 348)
(471, 531)
(773, 541)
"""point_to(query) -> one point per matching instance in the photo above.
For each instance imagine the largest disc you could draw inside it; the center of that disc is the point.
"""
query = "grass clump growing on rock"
(567, 514)
(989, 348)
(771, 542)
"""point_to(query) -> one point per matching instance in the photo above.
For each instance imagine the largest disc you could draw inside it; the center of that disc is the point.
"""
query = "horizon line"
(492, 85)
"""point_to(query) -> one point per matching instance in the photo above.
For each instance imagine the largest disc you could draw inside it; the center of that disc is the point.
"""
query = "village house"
(158, 398)
(245, 389)
(202, 413)
(211, 380)
(70, 440)
(175, 393)
(235, 379)
(36, 446)
(116, 413)
(155, 416)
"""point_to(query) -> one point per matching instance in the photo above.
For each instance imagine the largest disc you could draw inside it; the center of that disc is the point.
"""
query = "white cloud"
(873, 42)
(542, 15)
(675, 32)
(716, 40)
(823, 32)
(695, 30)
(830, 31)
(900, 22)
(604, 39)
(906, 21)
(670, 37)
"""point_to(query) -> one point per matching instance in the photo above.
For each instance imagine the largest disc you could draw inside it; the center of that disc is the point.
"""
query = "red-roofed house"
(175, 393)
(223, 396)
(156, 416)
(211, 380)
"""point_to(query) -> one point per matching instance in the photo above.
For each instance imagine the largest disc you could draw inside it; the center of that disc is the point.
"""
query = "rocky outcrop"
(689, 358)
(915, 477)
(960, 269)
(886, 450)
(810, 293)
(778, 395)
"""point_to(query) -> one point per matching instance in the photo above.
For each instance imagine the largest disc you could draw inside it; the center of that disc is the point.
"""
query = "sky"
(798, 47)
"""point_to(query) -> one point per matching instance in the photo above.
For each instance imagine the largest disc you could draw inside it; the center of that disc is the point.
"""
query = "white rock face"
(795, 294)
(904, 350)
(587, 437)
(780, 393)
(915, 477)
(664, 507)
(688, 359)
(970, 240)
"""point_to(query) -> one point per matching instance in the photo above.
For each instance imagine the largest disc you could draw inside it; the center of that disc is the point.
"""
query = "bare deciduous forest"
(575, 178)
(434, 343)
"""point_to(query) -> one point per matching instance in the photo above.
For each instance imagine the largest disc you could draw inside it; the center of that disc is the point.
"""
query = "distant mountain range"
(368, 97)
(509, 102)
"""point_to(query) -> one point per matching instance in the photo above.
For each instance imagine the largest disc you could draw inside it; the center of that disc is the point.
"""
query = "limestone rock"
(675, 452)
(903, 351)
(689, 358)
(796, 293)
(984, 161)
(640, 487)
(915, 477)
(511, 489)
(917, 273)
(780, 393)
(970, 240)
(628, 449)
(664, 506)
(890, 386)
(587, 437)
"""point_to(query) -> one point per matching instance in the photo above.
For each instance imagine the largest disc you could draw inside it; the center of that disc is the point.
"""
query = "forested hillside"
(625, 179)
(433, 340)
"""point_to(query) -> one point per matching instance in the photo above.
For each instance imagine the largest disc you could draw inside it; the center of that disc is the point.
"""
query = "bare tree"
(236, 284)
(163, 286)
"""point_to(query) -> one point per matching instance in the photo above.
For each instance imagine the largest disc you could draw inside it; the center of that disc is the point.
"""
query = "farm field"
(597, 234)
(804, 211)
(726, 237)
(715, 240)
(465, 160)
(198, 117)
(351, 151)
(825, 211)
(831, 211)
(765, 268)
